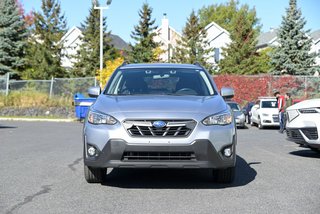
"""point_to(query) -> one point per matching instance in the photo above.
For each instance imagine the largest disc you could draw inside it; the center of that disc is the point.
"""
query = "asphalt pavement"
(41, 171)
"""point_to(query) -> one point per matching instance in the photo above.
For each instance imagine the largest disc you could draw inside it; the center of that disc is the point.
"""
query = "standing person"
(281, 104)
(289, 102)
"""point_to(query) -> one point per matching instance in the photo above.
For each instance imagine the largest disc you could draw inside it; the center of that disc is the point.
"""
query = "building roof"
(315, 35)
(160, 65)
(264, 39)
(116, 40)
(210, 25)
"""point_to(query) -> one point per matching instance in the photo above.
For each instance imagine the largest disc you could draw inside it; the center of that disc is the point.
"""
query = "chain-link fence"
(246, 87)
(64, 87)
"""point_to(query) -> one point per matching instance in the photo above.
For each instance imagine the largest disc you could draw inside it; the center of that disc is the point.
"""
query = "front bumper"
(203, 148)
(304, 129)
(240, 121)
(200, 154)
(307, 135)
(271, 120)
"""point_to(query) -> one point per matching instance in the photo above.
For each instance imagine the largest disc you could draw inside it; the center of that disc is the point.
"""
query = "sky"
(122, 15)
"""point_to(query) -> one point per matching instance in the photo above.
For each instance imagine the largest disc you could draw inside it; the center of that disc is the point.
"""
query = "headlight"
(308, 111)
(99, 118)
(292, 114)
(265, 115)
(221, 119)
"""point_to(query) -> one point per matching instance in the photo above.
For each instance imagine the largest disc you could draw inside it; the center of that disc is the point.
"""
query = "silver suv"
(160, 116)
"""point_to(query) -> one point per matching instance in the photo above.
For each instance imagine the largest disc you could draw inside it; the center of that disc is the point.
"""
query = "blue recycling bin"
(82, 104)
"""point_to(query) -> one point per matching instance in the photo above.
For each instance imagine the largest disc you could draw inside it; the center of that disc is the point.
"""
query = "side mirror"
(94, 91)
(227, 93)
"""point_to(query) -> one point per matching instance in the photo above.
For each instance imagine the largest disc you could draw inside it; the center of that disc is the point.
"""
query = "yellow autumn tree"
(105, 74)
(157, 53)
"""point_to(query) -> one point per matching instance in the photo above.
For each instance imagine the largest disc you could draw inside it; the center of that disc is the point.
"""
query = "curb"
(37, 119)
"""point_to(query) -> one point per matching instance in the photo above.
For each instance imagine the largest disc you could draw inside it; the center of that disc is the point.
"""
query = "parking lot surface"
(41, 171)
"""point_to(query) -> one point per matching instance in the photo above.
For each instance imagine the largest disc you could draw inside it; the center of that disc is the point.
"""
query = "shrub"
(23, 99)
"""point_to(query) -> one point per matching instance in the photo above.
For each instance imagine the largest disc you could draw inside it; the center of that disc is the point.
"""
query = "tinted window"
(164, 81)
(269, 104)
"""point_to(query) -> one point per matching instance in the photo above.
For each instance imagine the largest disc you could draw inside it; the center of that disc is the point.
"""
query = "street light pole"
(101, 32)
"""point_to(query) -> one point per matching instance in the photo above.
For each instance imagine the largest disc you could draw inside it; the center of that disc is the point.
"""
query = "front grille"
(295, 135)
(156, 156)
(310, 133)
(275, 118)
(172, 128)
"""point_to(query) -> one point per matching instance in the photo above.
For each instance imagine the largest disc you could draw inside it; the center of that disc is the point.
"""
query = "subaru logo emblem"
(159, 124)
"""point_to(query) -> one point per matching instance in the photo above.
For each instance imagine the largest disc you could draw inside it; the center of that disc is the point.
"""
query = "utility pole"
(101, 31)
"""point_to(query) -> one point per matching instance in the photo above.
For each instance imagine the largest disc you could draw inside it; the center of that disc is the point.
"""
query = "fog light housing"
(92, 151)
(227, 152)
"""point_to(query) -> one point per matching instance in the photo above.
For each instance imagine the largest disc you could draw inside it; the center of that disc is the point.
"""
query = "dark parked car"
(247, 111)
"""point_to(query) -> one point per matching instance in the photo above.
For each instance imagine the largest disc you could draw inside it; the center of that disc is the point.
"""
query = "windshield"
(269, 104)
(160, 81)
(234, 106)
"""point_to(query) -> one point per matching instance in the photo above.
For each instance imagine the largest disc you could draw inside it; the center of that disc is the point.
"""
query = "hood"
(313, 103)
(269, 110)
(123, 104)
(237, 113)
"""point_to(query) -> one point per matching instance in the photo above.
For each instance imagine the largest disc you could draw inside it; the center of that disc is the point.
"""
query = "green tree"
(12, 37)
(145, 48)
(263, 60)
(293, 55)
(240, 55)
(223, 14)
(88, 60)
(193, 46)
(44, 49)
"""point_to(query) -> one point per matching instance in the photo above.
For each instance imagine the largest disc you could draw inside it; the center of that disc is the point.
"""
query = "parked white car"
(303, 123)
(265, 112)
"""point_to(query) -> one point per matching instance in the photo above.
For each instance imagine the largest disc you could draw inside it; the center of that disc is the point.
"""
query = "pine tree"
(193, 46)
(12, 37)
(145, 47)
(88, 60)
(293, 54)
(44, 49)
(240, 55)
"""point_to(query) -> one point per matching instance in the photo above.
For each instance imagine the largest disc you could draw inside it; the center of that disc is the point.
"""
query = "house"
(168, 38)
(269, 39)
(72, 41)
(316, 44)
(218, 38)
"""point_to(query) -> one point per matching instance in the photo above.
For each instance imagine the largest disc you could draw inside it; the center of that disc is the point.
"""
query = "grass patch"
(25, 99)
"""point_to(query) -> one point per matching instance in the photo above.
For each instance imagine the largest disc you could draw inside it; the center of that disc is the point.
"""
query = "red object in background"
(296, 101)
(249, 88)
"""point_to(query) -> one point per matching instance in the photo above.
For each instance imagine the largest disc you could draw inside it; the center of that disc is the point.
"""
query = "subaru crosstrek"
(160, 116)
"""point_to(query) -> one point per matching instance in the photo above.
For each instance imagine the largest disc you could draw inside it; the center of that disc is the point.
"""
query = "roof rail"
(266, 97)
(125, 63)
(198, 64)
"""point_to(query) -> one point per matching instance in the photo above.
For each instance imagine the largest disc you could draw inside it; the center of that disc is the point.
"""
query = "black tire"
(224, 175)
(260, 126)
(94, 175)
